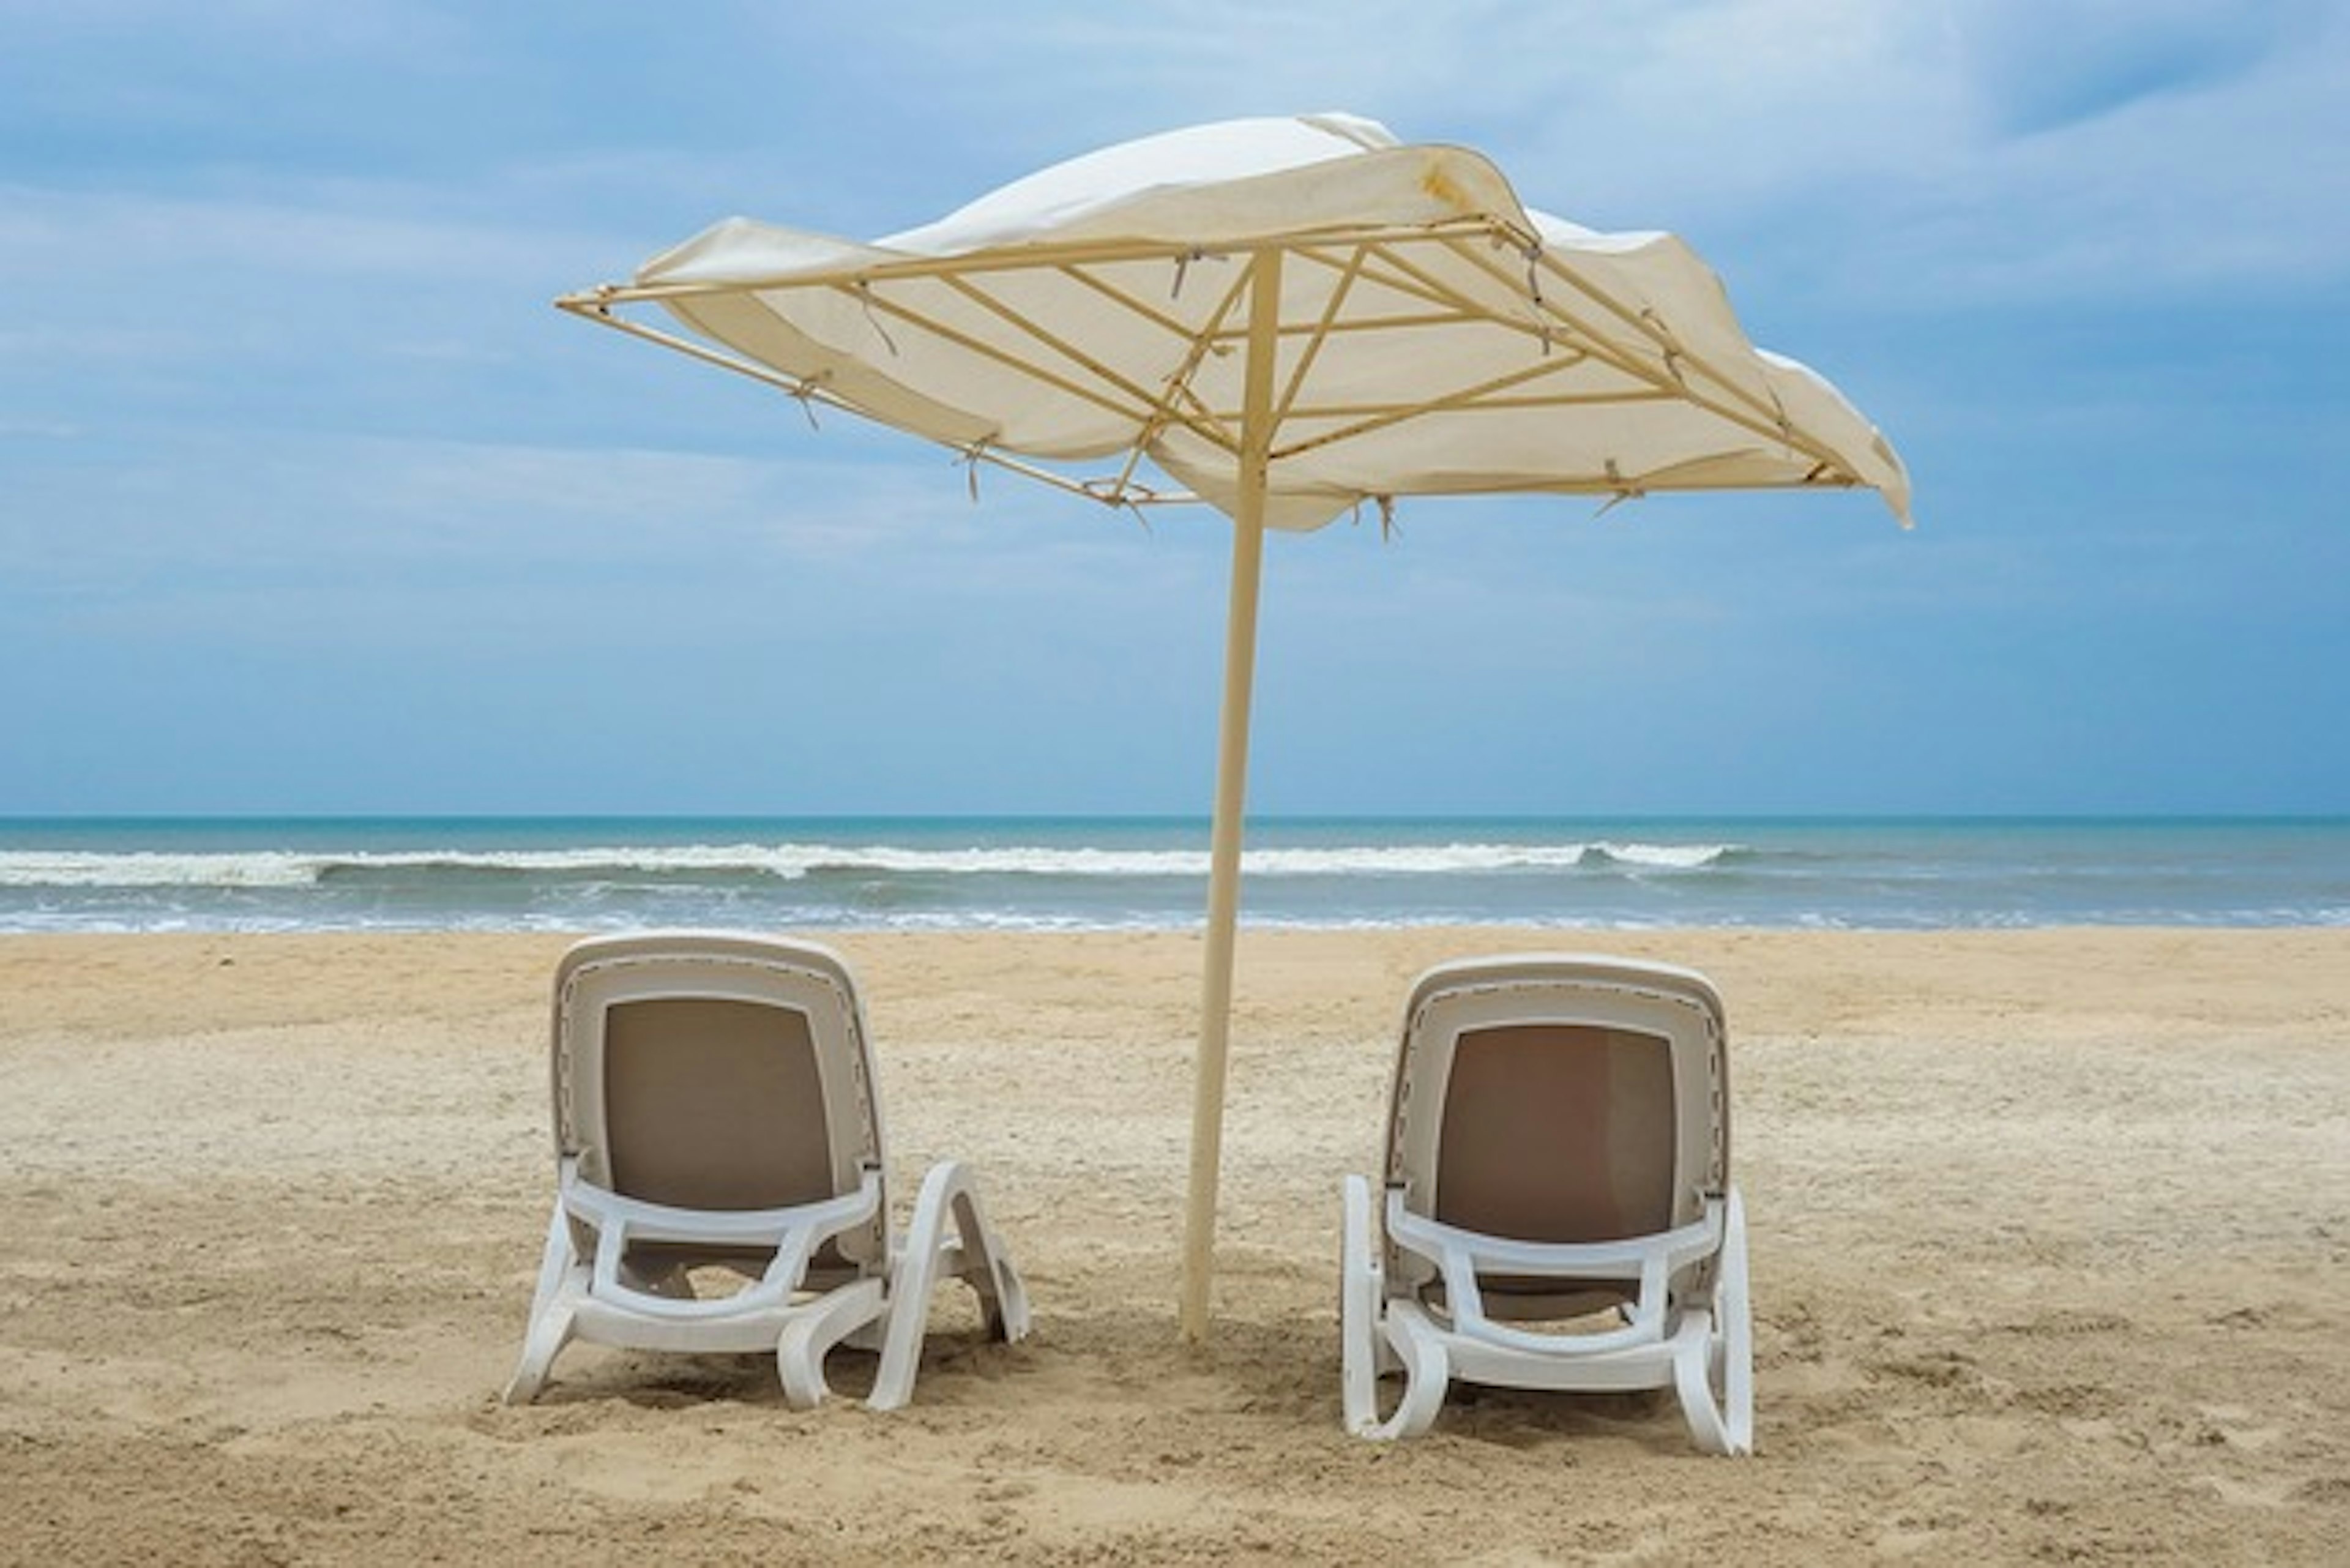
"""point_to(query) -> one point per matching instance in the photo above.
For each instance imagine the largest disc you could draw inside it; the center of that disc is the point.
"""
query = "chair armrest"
(796, 1233)
(1461, 1254)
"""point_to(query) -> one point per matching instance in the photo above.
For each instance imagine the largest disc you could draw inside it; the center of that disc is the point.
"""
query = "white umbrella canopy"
(1286, 318)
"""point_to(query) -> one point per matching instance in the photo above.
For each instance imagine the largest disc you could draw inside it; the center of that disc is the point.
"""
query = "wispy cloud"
(58, 235)
(2116, 54)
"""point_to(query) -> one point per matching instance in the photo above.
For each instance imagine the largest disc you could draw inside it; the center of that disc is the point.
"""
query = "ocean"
(1090, 874)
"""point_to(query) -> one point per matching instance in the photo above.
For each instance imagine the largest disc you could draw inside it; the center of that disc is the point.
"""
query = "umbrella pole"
(1232, 781)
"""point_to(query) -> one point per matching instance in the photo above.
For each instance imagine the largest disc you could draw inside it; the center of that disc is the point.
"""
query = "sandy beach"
(2050, 1231)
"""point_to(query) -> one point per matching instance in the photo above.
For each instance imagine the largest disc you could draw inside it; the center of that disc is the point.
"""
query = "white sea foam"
(79, 869)
(1348, 860)
(1667, 856)
(283, 868)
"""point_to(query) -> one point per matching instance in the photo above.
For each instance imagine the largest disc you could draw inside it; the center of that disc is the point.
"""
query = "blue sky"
(310, 502)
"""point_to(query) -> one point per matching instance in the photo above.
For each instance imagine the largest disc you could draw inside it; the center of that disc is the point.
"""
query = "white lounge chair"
(716, 1108)
(1557, 1210)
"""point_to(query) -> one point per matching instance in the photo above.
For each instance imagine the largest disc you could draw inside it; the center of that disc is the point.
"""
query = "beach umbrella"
(1288, 319)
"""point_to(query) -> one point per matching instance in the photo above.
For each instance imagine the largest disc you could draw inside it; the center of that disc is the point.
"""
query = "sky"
(311, 504)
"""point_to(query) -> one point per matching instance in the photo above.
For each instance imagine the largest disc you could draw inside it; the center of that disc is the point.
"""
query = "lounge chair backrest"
(1548, 1132)
(1559, 1100)
(702, 1072)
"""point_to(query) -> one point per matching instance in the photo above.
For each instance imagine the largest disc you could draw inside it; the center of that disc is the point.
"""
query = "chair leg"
(1722, 1420)
(1359, 1287)
(549, 1332)
(975, 1254)
(550, 1323)
(982, 1262)
(1737, 1319)
(1375, 1334)
(1427, 1372)
(812, 1331)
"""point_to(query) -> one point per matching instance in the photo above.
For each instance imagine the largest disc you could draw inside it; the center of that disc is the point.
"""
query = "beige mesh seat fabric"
(1557, 1211)
(717, 1123)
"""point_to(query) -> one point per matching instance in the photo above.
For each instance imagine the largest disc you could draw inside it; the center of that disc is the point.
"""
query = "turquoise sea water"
(1028, 873)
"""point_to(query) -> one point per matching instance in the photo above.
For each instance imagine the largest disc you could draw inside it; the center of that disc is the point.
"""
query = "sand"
(2050, 1232)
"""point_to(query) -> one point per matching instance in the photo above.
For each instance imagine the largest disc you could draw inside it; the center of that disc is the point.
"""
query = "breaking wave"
(261, 869)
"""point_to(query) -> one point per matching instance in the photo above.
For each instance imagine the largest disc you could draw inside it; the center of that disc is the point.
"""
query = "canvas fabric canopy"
(1435, 336)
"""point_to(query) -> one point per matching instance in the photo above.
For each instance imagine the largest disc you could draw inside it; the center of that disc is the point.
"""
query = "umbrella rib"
(1219, 328)
(902, 265)
(1149, 414)
(597, 307)
(1179, 385)
(1458, 308)
(1480, 396)
(1454, 308)
(1472, 397)
(976, 345)
(1173, 326)
(1450, 304)
(1734, 406)
(1413, 278)
(1320, 335)
(1083, 253)
(1670, 386)
(1206, 423)
(1202, 420)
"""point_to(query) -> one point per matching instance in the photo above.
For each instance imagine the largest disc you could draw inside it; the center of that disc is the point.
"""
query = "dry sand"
(2050, 1234)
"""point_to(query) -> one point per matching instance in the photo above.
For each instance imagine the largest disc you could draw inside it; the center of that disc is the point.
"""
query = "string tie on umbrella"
(1625, 490)
(865, 297)
(1666, 340)
(804, 393)
(1533, 253)
(973, 456)
(1119, 494)
(1388, 532)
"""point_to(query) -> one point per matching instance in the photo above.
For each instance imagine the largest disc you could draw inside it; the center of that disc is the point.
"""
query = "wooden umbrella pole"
(1231, 781)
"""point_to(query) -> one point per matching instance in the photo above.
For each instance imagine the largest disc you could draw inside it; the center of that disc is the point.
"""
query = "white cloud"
(52, 238)
(266, 503)
(2149, 169)
(1926, 152)
(234, 38)
(2034, 66)
(36, 429)
(1933, 155)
